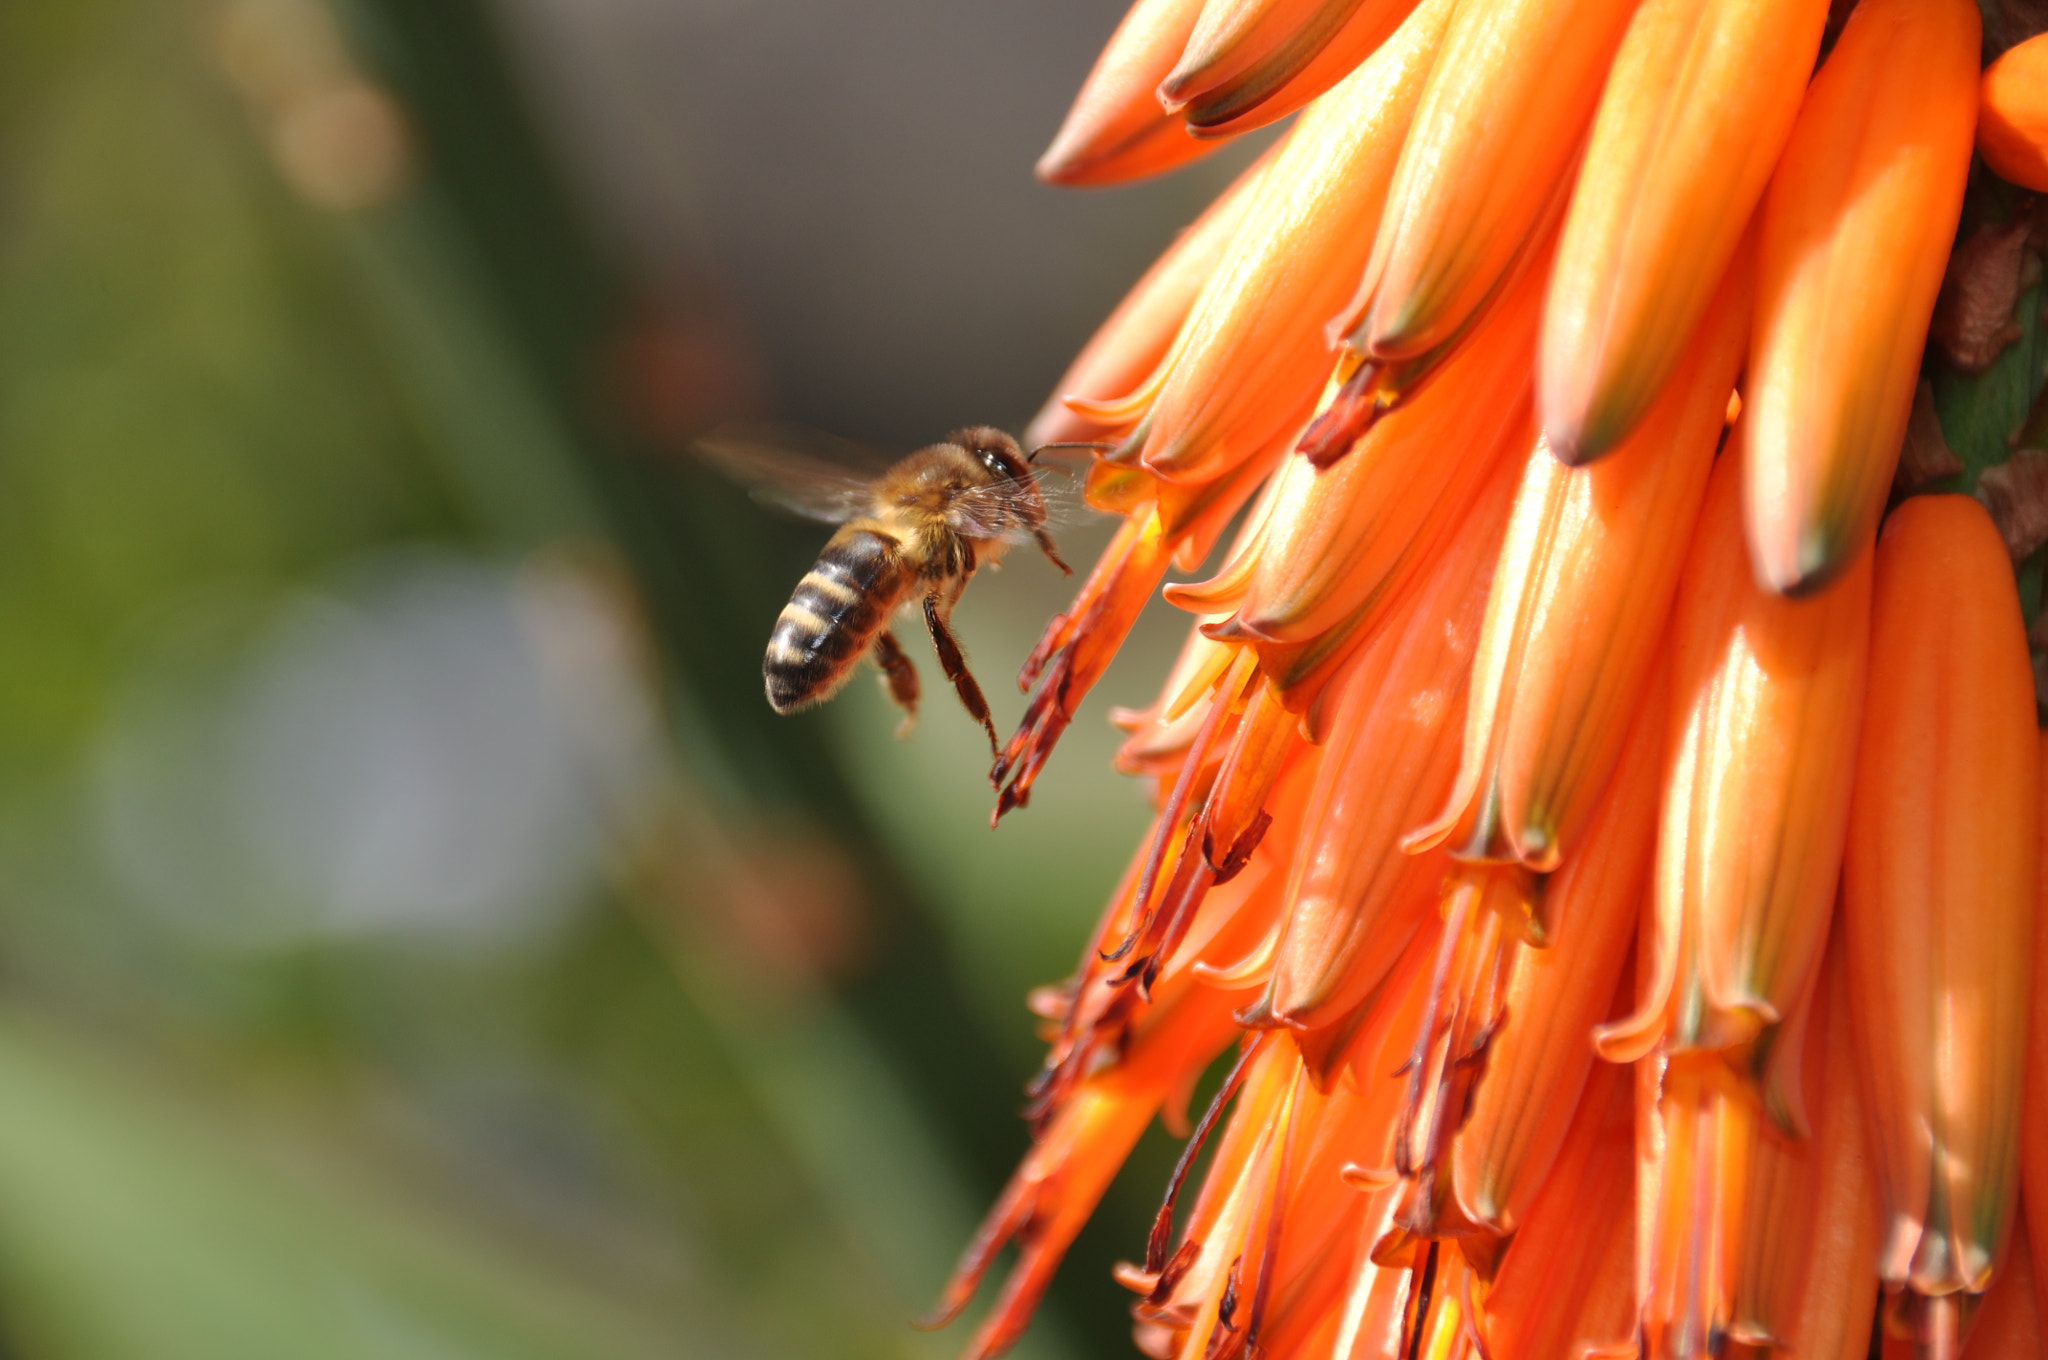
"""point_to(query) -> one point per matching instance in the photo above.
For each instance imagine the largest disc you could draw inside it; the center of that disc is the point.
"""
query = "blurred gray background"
(852, 182)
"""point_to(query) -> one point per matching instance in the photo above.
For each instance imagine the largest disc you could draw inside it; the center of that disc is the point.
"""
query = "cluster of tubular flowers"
(1599, 841)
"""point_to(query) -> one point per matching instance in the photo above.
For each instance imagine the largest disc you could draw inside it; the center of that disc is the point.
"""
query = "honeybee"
(916, 533)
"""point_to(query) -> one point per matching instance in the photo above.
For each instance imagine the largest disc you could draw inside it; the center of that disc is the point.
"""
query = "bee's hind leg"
(899, 676)
(955, 667)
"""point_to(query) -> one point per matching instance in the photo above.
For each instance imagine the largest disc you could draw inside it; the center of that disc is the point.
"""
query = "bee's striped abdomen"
(831, 618)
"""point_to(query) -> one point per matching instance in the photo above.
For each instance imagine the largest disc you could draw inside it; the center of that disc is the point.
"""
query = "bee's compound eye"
(992, 459)
(997, 452)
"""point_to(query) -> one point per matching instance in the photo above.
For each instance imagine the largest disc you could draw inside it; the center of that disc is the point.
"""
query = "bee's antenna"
(1098, 445)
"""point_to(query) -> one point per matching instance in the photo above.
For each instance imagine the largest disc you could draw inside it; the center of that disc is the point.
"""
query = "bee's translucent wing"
(1011, 511)
(803, 471)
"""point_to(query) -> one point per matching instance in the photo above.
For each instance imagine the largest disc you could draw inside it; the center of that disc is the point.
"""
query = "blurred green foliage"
(627, 1130)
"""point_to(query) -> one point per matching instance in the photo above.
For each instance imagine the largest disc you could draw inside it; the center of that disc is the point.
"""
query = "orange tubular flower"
(1243, 376)
(1129, 347)
(1349, 535)
(1856, 231)
(1562, 350)
(1116, 129)
(1540, 1058)
(1507, 102)
(1274, 1207)
(1092, 1113)
(1254, 359)
(1694, 84)
(1696, 1127)
(2010, 1323)
(1938, 893)
(1232, 36)
(1067, 1170)
(1355, 901)
(1807, 1283)
(2034, 1127)
(1263, 59)
(2012, 128)
(1766, 697)
(1585, 580)
(1564, 1290)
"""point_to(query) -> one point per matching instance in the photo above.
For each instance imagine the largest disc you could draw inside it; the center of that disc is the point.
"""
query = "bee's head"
(996, 451)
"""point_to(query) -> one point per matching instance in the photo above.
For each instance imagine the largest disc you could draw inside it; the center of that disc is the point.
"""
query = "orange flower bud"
(1765, 702)
(1466, 525)
(1134, 342)
(1694, 84)
(1857, 225)
(1806, 1274)
(1566, 1287)
(2012, 124)
(1540, 1058)
(1234, 35)
(1938, 890)
(1356, 530)
(2034, 1116)
(1355, 900)
(1260, 60)
(1579, 601)
(1116, 129)
(1508, 100)
(1254, 356)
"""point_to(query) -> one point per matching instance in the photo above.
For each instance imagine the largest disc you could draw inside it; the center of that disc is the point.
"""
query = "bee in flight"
(916, 533)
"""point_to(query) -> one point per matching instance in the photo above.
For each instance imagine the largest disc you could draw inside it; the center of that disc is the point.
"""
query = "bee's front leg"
(899, 676)
(1045, 546)
(955, 667)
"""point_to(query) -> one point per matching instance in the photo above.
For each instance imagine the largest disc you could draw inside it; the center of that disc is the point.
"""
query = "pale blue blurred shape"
(402, 752)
